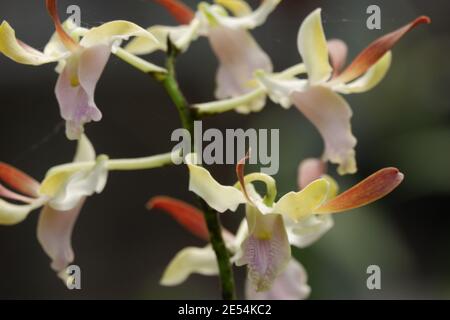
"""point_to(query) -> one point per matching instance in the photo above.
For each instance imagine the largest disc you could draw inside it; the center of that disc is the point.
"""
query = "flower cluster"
(245, 81)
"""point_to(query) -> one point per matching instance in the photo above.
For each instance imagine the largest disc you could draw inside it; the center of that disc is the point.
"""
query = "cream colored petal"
(217, 196)
(187, 261)
(85, 150)
(370, 79)
(18, 51)
(79, 185)
(238, 7)
(114, 31)
(308, 230)
(11, 214)
(249, 21)
(331, 115)
(300, 205)
(313, 48)
(280, 90)
(292, 284)
(181, 37)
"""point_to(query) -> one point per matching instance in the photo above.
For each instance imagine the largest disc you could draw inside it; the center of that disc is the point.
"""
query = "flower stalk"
(187, 117)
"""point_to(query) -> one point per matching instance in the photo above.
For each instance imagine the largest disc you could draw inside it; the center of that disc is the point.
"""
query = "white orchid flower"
(238, 53)
(81, 61)
(317, 97)
(61, 194)
(297, 218)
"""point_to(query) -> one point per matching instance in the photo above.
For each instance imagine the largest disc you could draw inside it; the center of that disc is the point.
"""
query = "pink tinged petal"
(266, 251)
(376, 50)
(292, 284)
(77, 102)
(19, 180)
(8, 194)
(337, 49)
(239, 56)
(54, 233)
(309, 170)
(186, 215)
(331, 115)
(367, 191)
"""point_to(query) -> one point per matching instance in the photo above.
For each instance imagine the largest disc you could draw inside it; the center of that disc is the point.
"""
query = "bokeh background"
(123, 249)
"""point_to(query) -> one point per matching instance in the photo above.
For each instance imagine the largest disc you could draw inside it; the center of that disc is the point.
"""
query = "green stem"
(170, 83)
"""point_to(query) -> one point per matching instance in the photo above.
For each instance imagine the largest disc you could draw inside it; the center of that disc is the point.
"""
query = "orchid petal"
(249, 21)
(11, 214)
(266, 251)
(367, 191)
(66, 189)
(217, 196)
(186, 215)
(187, 261)
(309, 170)
(18, 51)
(85, 150)
(181, 12)
(180, 36)
(8, 194)
(111, 32)
(370, 79)
(280, 90)
(76, 102)
(239, 56)
(19, 180)
(299, 205)
(337, 50)
(54, 233)
(376, 50)
(238, 7)
(312, 46)
(292, 284)
(308, 230)
(331, 115)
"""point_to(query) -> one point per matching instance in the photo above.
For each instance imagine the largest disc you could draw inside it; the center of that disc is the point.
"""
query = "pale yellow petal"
(18, 51)
(298, 205)
(313, 48)
(217, 196)
(187, 261)
(113, 31)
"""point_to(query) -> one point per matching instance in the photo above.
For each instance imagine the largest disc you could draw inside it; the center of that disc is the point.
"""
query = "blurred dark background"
(123, 249)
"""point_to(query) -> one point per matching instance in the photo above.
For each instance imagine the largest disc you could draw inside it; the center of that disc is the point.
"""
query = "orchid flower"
(238, 53)
(81, 61)
(61, 194)
(291, 284)
(297, 218)
(317, 96)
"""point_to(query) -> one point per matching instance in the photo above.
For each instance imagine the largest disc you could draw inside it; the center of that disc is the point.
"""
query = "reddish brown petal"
(64, 37)
(181, 12)
(188, 216)
(240, 172)
(376, 51)
(19, 180)
(367, 191)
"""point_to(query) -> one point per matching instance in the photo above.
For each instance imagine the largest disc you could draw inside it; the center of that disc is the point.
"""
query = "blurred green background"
(123, 249)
